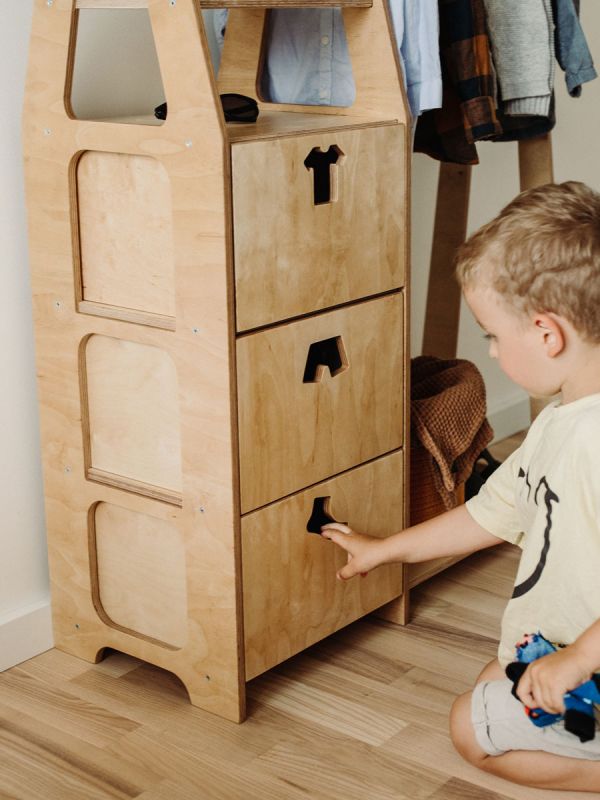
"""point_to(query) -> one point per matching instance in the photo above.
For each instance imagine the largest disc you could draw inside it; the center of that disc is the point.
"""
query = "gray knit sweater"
(522, 37)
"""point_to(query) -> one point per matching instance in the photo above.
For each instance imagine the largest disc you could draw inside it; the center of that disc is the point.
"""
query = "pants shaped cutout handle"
(322, 164)
(328, 353)
(320, 515)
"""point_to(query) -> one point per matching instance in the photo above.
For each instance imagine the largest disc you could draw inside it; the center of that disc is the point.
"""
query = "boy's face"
(516, 341)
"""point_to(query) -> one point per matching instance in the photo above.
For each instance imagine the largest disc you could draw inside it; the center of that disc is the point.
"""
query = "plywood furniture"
(221, 354)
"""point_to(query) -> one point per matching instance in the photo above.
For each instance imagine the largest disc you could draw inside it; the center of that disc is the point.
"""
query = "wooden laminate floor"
(360, 716)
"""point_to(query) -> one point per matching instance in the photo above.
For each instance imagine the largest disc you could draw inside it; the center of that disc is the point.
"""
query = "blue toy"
(579, 703)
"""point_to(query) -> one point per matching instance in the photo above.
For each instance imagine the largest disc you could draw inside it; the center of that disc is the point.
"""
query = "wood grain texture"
(442, 312)
(285, 3)
(290, 599)
(140, 574)
(125, 232)
(326, 254)
(111, 3)
(133, 411)
(136, 348)
(362, 714)
(274, 124)
(199, 349)
(293, 434)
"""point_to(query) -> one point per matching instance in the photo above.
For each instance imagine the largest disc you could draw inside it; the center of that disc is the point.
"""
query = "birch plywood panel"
(125, 232)
(133, 412)
(291, 596)
(295, 433)
(292, 256)
(140, 574)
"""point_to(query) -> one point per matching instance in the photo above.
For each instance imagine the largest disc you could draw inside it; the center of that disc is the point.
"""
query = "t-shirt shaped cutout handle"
(325, 188)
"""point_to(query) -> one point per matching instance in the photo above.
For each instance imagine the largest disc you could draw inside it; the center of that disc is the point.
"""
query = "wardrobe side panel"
(153, 402)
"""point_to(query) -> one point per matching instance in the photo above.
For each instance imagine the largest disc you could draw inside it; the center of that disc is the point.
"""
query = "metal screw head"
(47, 131)
(57, 304)
(195, 330)
(77, 625)
(172, 2)
(67, 470)
(188, 143)
(49, 3)
(201, 509)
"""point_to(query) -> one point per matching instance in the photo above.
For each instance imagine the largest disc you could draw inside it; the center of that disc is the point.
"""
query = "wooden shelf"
(286, 3)
(274, 124)
(103, 4)
(271, 124)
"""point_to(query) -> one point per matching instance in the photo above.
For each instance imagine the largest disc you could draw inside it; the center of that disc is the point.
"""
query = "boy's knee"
(462, 732)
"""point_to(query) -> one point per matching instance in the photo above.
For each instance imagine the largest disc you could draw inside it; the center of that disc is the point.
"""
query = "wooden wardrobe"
(221, 347)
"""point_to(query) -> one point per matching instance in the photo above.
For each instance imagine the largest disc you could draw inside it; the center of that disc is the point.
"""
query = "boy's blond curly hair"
(542, 253)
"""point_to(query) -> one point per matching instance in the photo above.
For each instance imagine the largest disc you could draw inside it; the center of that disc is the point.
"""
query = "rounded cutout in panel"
(140, 576)
(125, 227)
(133, 417)
(116, 74)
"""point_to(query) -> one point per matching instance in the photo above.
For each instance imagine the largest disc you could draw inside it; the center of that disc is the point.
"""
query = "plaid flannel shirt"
(468, 111)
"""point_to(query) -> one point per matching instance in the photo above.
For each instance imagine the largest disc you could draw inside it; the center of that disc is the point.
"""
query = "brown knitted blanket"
(448, 412)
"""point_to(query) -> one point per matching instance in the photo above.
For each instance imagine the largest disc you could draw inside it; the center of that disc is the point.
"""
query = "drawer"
(319, 396)
(296, 253)
(291, 596)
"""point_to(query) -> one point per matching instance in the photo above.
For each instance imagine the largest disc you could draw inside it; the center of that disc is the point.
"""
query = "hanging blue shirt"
(308, 63)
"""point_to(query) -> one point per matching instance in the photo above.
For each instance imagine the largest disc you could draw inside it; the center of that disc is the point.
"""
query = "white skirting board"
(25, 633)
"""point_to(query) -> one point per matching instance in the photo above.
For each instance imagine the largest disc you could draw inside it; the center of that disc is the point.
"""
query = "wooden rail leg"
(440, 335)
(535, 162)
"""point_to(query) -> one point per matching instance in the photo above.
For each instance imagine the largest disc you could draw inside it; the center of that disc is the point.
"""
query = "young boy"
(531, 277)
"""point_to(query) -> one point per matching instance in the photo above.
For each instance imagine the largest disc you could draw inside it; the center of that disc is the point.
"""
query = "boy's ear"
(552, 332)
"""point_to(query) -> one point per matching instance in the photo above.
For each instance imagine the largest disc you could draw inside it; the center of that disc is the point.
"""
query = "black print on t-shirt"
(549, 497)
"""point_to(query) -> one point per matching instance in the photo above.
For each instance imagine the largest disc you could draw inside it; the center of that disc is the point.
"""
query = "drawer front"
(319, 396)
(296, 253)
(290, 593)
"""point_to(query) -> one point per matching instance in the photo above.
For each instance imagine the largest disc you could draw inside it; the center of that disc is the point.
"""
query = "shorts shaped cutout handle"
(320, 515)
(326, 354)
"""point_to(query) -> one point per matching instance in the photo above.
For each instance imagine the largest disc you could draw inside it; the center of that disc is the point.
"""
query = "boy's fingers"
(335, 526)
(346, 572)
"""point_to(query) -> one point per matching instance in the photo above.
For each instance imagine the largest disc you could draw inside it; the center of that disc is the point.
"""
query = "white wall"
(24, 594)
(24, 609)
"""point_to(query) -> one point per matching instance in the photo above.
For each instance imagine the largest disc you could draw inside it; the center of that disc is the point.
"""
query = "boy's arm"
(545, 682)
(451, 534)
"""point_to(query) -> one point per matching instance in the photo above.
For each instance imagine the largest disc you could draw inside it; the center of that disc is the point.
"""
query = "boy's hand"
(364, 552)
(546, 680)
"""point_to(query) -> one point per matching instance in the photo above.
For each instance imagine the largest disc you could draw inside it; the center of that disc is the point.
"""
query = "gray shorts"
(501, 724)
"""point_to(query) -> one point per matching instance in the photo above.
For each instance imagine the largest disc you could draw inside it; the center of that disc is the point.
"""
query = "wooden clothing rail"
(440, 335)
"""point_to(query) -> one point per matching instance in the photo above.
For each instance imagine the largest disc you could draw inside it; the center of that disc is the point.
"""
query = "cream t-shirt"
(546, 499)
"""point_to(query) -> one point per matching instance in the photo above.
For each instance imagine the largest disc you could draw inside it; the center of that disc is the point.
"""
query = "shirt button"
(324, 40)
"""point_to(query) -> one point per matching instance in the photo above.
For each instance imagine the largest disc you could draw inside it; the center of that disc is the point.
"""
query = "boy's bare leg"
(528, 767)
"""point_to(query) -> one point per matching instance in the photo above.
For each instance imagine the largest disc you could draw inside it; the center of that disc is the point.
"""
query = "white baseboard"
(25, 633)
(510, 416)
